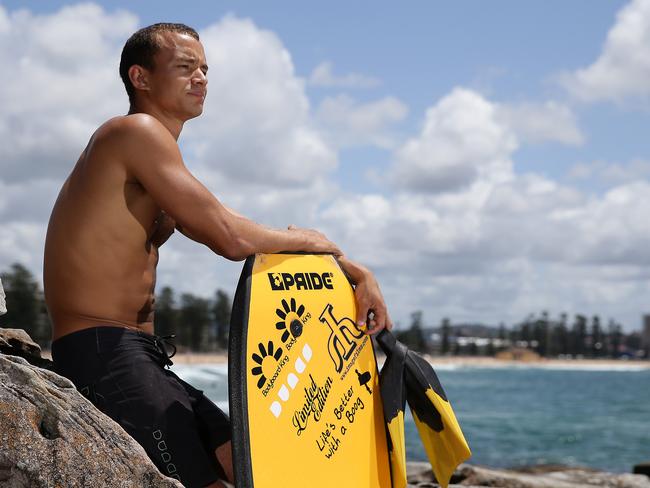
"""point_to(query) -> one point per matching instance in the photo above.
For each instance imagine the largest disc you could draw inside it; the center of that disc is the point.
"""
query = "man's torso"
(102, 243)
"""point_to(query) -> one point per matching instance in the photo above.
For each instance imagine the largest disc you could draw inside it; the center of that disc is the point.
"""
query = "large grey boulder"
(3, 304)
(50, 435)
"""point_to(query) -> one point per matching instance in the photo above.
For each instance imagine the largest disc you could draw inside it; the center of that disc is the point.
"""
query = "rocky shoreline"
(466, 476)
(52, 436)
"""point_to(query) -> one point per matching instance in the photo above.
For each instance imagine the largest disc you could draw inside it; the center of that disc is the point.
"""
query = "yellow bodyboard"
(304, 388)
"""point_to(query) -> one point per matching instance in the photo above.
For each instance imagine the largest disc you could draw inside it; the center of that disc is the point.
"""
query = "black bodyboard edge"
(237, 378)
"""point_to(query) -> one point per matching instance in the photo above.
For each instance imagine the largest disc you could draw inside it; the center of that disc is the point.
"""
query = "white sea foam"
(560, 366)
(458, 364)
(201, 372)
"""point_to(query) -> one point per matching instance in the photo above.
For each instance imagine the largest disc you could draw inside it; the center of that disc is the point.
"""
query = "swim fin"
(434, 418)
(393, 397)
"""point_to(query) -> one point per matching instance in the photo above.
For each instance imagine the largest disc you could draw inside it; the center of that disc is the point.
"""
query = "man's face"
(178, 82)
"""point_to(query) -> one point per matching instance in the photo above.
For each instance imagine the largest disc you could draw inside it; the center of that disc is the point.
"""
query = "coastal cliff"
(52, 436)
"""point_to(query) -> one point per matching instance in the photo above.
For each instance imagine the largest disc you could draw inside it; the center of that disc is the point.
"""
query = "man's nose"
(200, 77)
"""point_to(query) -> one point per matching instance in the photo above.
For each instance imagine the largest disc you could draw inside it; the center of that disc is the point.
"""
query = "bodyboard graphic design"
(305, 404)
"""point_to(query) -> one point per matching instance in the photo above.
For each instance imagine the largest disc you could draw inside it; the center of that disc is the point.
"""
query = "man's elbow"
(235, 249)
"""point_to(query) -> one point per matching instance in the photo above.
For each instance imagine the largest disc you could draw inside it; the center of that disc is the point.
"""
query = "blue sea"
(524, 415)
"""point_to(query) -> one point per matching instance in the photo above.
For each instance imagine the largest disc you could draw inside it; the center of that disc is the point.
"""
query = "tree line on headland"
(198, 324)
(202, 324)
(581, 337)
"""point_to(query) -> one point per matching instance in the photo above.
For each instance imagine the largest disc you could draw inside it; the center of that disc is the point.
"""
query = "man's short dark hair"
(141, 48)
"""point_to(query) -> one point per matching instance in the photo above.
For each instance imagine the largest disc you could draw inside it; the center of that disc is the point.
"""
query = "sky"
(487, 160)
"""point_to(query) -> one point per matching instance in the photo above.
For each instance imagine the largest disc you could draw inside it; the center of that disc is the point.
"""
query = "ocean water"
(516, 415)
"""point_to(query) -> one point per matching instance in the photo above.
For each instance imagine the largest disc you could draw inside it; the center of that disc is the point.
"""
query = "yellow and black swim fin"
(434, 418)
(439, 430)
(393, 397)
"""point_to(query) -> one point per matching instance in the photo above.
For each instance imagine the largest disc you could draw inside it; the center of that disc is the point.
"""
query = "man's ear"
(139, 77)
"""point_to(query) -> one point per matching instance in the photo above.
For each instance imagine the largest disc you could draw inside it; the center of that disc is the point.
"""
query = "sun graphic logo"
(290, 319)
(267, 363)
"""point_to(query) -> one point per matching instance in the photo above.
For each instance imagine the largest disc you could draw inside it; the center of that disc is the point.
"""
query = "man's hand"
(315, 241)
(371, 308)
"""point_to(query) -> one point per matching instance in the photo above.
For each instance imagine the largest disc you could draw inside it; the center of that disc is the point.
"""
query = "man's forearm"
(255, 238)
(235, 237)
(354, 271)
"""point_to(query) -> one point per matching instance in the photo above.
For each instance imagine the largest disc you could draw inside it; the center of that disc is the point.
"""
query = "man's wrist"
(355, 272)
(297, 241)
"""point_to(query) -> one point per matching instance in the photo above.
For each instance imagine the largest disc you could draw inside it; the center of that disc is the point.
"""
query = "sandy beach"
(458, 361)
(186, 358)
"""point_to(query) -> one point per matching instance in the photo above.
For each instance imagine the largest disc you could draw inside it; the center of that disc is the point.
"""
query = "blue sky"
(488, 160)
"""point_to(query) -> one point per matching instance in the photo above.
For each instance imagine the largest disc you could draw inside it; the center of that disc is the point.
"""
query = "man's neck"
(173, 125)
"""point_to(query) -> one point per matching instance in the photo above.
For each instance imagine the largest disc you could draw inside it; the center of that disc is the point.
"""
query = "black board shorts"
(122, 372)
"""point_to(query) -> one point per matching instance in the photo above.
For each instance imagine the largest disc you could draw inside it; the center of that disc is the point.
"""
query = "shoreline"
(190, 358)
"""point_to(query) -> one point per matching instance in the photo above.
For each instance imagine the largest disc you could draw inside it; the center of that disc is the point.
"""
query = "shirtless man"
(127, 193)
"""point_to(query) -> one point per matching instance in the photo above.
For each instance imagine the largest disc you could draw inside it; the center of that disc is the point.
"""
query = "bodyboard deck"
(304, 393)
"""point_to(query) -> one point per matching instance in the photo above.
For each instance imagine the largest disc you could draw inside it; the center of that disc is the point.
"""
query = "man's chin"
(195, 113)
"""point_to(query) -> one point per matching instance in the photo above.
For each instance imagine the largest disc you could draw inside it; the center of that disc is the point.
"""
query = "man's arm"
(371, 307)
(152, 157)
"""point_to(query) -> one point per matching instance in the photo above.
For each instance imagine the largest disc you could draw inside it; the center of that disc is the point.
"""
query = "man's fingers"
(362, 315)
(389, 324)
(374, 323)
(380, 321)
(387, 321)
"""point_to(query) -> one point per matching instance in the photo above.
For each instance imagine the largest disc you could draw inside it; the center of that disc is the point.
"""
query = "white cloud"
(462, 140)
(463, 235)
(502, 244)
(22, 242)
(622, 70)
(610, 173)
(531, 245)
(59, 81)
(323, 76)
(537, 123)
(612, 230)
(256, 125)
(351, 123)
(27, 200)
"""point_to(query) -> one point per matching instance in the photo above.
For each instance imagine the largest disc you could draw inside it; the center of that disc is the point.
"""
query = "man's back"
(100, 261)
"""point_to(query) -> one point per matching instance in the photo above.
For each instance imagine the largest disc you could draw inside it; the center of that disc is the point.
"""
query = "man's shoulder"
(132, 138)
(131, 126)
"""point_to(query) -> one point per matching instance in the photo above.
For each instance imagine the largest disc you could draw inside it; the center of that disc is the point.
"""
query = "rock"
(3, 304)
(52, 436)
(550, 477)
(16, 342)
(642, 468)
(418, 473)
